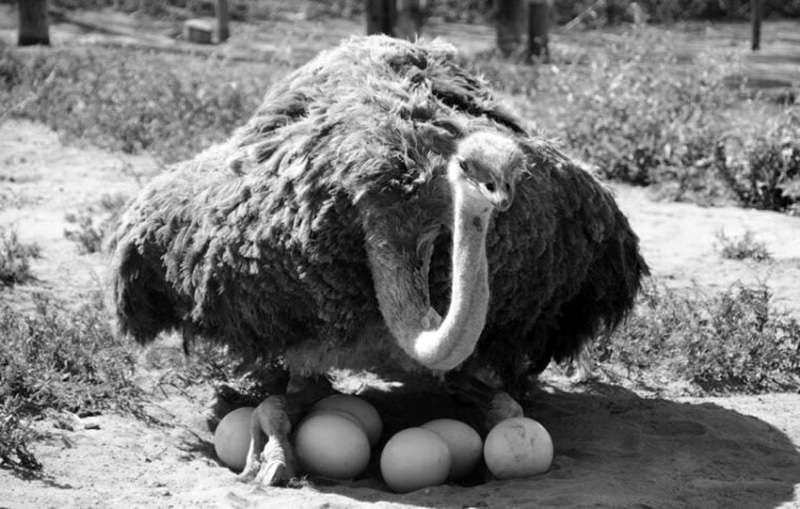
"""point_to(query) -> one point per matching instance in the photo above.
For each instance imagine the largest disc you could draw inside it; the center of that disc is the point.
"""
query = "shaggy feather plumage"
(261, 242)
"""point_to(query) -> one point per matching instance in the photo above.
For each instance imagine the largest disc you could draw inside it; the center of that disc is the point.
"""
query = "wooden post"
(756, 7)
(538, 13)
(398, 18)
(409, 19)
(510, 25)
(33, 26)
(221, 12)
(381, 16)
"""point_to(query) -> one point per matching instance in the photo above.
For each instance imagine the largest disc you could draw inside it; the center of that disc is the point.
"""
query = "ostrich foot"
(496, 405)
(270, 457)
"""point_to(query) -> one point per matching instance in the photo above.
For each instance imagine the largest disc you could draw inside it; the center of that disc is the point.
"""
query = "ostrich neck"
(401, 283)
(455, 339)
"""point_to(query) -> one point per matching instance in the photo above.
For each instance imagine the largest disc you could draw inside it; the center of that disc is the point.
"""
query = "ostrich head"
(484, 170)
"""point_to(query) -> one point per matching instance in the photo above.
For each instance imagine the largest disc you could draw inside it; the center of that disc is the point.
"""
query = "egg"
(364, 412)
(518, 447)
(232, 438)
(415, 458)
(331, 445)
(465, 444)
(341, 413)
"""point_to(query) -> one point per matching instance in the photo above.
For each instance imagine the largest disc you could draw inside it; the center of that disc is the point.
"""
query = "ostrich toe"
(495, 404)
(270, 460)
(270, 457)
(502, 407)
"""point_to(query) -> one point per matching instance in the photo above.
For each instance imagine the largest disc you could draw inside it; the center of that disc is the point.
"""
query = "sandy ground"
(613, 448)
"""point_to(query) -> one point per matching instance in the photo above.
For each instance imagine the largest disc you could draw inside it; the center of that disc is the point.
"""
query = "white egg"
(465, 444)
(232, 438)
(415, 458)
(364, 412)
(332, 445)
(518, 447)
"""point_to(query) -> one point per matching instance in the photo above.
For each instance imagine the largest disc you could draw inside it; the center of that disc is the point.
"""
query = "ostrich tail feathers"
(142, 304)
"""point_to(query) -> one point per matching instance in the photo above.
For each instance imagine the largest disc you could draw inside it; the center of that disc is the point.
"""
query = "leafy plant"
(733, 341)
(139, 103)
(59, 359)
(742, 248)
(91, 223)
(769, 179)
(15, 436)
(15, 258)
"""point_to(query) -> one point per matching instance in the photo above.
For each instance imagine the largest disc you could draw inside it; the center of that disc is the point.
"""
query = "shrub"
(630, 110)
(136, 103)
(92, 222)
(734, 341)
(640, 115)
(768, 176)
(15, 258)
(742, 248)
(58, 359)
(15, 436)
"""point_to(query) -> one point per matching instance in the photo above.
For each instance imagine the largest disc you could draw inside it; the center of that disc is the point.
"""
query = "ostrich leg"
(270, 458)
(494, 404)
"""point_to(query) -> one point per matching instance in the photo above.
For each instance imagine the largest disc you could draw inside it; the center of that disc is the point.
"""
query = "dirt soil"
(613, 447)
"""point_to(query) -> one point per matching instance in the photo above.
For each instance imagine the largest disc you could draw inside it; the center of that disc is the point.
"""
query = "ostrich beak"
(502, 202)
(501, 198)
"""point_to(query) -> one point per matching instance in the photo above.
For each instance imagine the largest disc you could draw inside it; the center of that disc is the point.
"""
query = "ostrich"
(382, 209)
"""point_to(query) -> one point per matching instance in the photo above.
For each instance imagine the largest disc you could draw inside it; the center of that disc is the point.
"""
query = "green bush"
(641, 114)
(734, 341)
(59, 359)
(91, 223)
(769, 178)
(15, 258)
(742, 248)
(136, 103)
(631, 109)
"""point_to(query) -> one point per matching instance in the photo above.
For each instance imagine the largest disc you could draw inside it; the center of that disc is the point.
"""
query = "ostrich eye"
(489, 186)
(464, 166)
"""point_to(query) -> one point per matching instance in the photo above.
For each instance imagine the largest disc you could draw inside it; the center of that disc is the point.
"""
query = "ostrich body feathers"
(261, 242)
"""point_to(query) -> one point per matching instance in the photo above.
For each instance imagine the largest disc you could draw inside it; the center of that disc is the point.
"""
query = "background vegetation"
(600, 13)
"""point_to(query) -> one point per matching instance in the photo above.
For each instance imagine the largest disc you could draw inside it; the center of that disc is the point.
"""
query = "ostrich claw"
(270, 458)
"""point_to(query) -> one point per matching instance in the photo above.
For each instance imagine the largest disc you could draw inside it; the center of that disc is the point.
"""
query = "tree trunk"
(33, 28)
(538, 13)
(221, 12)
(510, 25)
(381, 17)
(398, 18)
(757, 13)
(409, 19)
